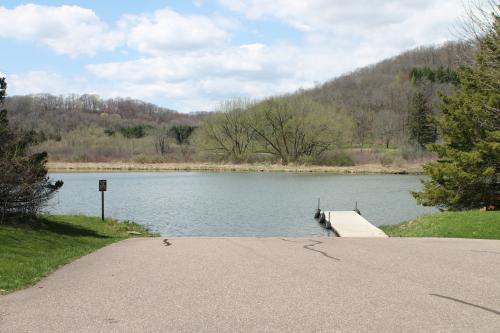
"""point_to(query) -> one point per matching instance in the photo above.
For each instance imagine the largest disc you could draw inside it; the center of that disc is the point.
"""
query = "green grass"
(470, 224)
(29, 252)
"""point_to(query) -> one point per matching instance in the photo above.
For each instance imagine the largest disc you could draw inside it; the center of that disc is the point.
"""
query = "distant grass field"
(28, 253)
(469, 224)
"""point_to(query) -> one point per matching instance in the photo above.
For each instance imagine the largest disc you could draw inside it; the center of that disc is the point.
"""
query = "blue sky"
(190, 55)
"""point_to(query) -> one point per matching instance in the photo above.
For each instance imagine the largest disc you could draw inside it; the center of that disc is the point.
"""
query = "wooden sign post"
(103, 186)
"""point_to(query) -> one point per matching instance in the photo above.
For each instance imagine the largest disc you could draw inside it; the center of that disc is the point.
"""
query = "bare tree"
(297, 128)
(387, 125)
(228, 132)
(161, 141)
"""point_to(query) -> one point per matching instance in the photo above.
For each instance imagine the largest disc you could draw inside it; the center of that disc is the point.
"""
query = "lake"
(236, 204)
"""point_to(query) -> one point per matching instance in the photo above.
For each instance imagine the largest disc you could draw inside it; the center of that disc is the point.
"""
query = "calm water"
(237, 204)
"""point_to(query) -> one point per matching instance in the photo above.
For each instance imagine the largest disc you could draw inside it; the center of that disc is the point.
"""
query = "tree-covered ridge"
(382, 98)
(65, 113)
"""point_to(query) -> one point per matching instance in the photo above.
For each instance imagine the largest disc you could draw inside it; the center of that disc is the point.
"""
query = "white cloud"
(69, 30)
(337, 37)
(365, 31)
(75, 31)
(198, 3)
(339, 15)
(168, 31)
(252, 70)
(191, 62)
(37, 82)
(246, 60)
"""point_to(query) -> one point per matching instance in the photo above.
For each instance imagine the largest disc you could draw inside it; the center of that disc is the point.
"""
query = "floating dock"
(351, 224)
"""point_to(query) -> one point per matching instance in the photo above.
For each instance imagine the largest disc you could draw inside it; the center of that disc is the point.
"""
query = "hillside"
(372, 85)
(65, 113)
(384, 113)
(380, 97)
(88, 128)
(386, 107)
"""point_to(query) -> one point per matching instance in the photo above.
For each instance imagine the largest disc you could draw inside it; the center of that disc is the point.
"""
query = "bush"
(410, 153)
(334, 158)
(137, 132)
(386, 159)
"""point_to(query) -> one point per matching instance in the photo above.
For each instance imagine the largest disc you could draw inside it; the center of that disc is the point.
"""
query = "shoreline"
(412, 169)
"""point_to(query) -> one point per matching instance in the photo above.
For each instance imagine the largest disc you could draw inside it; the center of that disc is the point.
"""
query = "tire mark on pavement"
(467, 303)
(309, 247)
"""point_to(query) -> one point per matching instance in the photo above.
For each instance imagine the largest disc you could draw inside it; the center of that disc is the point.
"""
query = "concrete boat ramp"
(350, 224)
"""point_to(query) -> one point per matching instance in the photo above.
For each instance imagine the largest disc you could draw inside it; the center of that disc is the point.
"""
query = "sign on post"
(103, 186)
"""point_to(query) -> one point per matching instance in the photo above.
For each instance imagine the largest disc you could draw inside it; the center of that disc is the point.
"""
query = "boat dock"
(351, 224)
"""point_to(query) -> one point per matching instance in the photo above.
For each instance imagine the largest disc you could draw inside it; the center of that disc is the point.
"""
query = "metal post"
(102, 205)
(103, 186)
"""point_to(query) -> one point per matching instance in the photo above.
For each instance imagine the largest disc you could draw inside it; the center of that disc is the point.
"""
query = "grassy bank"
(28, 253)
(124, 166)
(470, 224)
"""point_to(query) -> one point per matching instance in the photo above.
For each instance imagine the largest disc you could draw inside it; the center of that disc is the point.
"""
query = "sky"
(190, 55)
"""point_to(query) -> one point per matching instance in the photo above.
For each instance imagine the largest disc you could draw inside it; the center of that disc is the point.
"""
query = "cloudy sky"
(188, 55)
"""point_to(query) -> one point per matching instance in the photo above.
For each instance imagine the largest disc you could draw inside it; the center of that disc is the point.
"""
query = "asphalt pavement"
(267, 285)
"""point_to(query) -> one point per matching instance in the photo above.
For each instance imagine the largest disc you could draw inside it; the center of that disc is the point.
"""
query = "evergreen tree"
(467, 174)
(181, 133)
(422, 128)
(24, 184)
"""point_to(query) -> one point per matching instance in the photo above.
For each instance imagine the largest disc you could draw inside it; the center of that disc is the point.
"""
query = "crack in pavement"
(291, 241)
(467, 303)
(309, 247)
(495, 252)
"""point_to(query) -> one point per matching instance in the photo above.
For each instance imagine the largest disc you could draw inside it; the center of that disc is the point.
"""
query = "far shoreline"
(411, 169)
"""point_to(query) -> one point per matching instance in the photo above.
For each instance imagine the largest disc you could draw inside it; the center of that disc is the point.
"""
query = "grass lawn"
(469, 224)
(28, 253)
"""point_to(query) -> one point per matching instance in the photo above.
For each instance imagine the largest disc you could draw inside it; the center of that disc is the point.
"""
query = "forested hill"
(382, 98)
(379, 84)
(48, 113)
(389, 107)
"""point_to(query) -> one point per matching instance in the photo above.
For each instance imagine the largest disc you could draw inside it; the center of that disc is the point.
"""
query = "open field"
(470, 224)
(28, 253)
(222, 284)
(124, 166)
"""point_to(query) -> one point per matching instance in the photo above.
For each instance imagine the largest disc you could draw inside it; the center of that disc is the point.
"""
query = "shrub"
(334, 158)
(386, 159)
